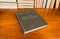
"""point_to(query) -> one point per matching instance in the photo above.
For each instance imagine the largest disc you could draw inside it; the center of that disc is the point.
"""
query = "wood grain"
(11, 29)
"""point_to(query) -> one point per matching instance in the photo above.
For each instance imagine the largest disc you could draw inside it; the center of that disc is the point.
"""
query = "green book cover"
(30, 21)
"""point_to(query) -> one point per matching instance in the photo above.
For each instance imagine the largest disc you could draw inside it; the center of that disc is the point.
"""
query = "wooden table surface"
(11, 29)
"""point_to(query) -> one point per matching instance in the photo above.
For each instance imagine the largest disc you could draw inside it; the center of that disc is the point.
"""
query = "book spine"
(8, 5)
(35, 3)
(52, 4)
(26, 4)
(57, 3)
(38, 4)
(48, 4)
(41, 3)
(7, 0)
(44, 3)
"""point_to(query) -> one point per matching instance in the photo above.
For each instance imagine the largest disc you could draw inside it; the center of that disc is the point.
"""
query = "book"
(25, 3)
(25, 6)
(38, 4)
(57, 3)
(24, 0)
(48, 3)
(41, 4)
(7, 0)
(30, 20)
(35, 4)
(52, 4)
(8, 5)
(44, 3)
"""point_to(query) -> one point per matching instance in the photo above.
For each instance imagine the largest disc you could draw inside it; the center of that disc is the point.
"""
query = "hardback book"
(30, 20)
(7, 0)
(41, 4)
(8, 5)
(57, 3)
(25, 0)
(38, 3)
(44, 3)
(35, 4)
(48, 3)
(25, 3)
(25, 6)
(52, 4)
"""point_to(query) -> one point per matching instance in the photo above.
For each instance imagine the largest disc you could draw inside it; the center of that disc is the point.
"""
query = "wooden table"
(11, 29)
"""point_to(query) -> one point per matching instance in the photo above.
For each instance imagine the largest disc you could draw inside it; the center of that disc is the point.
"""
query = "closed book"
(57, 3)
(40, 4)
(7, 0)
(28, 0)
(8, 5)
(30, 21)
(52, 4)
(25, 6)
(48, 3)
(44, 3)
(25, 3)
(35, 4)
